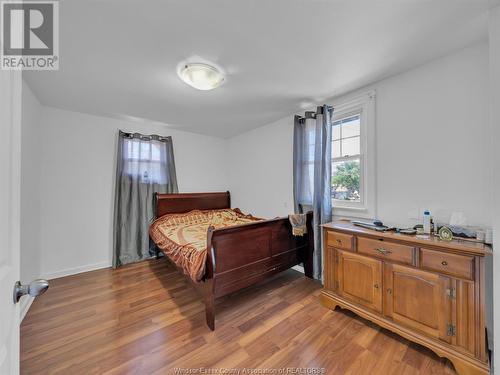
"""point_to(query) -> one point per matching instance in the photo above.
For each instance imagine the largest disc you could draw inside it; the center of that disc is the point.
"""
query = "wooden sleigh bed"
(242, 255)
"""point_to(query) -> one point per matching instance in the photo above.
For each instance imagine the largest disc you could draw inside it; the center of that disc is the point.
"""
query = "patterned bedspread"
(183, 237)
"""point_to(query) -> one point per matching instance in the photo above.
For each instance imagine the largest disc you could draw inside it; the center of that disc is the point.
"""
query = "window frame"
(364, 105)
(345, 203)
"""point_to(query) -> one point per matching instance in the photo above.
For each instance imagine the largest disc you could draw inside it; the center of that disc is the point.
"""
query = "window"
(145, 160)
(346, 157)
(353, 134)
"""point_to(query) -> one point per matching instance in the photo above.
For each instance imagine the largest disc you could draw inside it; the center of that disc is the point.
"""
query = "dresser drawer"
(452, 264)
(386, 250)
(339, 240)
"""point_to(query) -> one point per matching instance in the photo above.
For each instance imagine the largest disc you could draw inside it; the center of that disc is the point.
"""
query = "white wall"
(431, 152)
(260, 171)
(77, 184)
(494, 42)
(432, 138)
(31, 129)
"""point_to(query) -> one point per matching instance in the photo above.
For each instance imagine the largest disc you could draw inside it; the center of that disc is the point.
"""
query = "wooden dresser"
(426, 290)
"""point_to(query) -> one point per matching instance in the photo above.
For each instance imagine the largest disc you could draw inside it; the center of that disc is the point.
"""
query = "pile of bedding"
(183, 237)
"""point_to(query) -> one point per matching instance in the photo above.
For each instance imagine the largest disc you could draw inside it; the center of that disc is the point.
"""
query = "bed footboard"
(243, 255)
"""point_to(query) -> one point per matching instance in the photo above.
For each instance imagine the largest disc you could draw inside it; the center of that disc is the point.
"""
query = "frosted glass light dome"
(201, 76)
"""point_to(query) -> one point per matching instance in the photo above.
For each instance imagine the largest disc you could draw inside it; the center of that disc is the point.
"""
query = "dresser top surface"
(468, 246)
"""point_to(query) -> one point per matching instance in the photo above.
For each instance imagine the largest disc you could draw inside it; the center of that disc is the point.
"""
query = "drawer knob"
(383, 251)
(339, 241)
(444, 263)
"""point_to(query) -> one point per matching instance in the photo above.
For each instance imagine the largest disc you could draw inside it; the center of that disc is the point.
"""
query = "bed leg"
(158, 253)
(308, 267)
(210, 310)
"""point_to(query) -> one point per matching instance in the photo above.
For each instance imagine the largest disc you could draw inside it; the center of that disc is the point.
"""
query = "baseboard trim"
(25, 305)
(76, 270)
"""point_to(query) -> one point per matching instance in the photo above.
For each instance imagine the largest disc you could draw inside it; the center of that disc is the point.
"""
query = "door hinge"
(451, 330)
(451, 292)
(336, 258)
(336, 284)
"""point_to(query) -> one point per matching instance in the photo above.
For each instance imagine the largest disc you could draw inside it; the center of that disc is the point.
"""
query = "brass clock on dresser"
(426, 290)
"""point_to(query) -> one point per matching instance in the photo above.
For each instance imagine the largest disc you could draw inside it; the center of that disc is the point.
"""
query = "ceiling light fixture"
(201, 76)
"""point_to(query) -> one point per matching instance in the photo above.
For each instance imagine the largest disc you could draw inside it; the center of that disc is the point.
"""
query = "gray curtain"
(145, 166)
(312, 172)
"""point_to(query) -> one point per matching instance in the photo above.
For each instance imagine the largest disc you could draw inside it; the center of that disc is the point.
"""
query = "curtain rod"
(312, 114)
(150, 137)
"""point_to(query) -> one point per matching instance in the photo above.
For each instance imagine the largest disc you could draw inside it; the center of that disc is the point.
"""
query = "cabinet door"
(463, 302)
(359, 279)
(418, 300)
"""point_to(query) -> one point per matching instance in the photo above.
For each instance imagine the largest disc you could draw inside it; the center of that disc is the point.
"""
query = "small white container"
(427, 222)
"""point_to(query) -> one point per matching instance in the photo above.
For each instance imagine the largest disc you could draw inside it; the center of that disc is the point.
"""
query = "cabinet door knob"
(376, 286)
(389, 290)
(444, 263)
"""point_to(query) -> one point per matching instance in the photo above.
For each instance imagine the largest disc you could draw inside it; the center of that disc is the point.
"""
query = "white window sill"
(352, 212)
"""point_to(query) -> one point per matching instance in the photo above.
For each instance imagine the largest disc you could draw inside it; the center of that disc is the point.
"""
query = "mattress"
(183, 237)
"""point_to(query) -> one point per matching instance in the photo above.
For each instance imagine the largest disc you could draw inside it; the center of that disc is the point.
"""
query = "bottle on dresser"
(427, 222)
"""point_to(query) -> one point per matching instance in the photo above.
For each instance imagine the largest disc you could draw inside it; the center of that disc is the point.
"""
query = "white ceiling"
(119, 57)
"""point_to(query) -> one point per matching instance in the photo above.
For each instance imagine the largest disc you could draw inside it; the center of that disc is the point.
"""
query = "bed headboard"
(185, 202)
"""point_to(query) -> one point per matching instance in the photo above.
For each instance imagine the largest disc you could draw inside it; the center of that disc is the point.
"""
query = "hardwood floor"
(146, 319)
